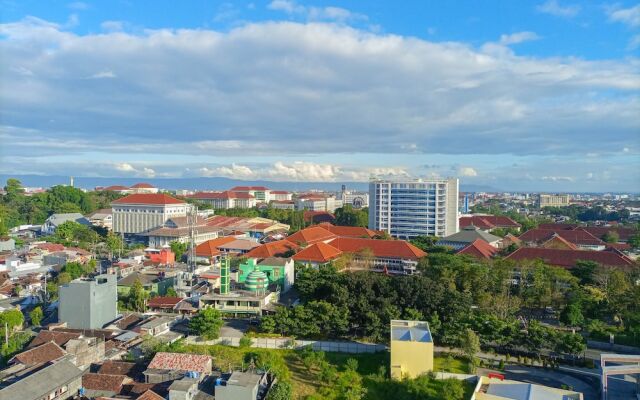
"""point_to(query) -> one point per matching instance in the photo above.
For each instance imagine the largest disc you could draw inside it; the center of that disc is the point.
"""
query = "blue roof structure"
(410, 331)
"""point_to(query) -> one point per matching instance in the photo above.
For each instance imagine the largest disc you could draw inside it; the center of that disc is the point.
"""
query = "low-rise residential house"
(155, 326)
(498, 388)
(55, 220)
(163, 256)
(468, 235)
(209, 251)
(171, 305)
(225, 200)
(102, 218)
(243, 386)
(152, 283)
(238, 246)
(41, 354)
(58, 380)
(103, 385)
(279, 271)
(171, 366)
(7, 244)
(66, 256)
(240, 302)
(488, 223)
(183, 389)
(86, 350)
(568, 258)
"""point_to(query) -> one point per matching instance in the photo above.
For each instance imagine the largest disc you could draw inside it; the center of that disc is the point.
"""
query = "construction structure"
(411, 349)
(630, 366)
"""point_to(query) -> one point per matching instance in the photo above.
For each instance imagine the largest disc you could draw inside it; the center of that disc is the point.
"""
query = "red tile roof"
(318, 253)
(44, 353)
(558, 242)
(348, 231)
(148, 198)
(111, 367)
(50, 247)
(578, 237)
(210, 247)
(279, 192)
(318, 216)
(488, 222)
(272, 249)
(568, 258)
(143, 185)
(60, 338)
(380, 248)
(104, 382)
(163, 302)
(599, 231)
(181, 362)
(558, 226)
(311, 235)
(480, 249)
(150, 395)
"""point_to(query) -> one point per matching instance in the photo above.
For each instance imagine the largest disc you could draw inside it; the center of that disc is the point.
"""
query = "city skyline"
(538, 95)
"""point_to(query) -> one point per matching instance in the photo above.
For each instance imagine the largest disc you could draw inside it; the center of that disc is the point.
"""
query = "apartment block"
(410, 208)
(89, 303)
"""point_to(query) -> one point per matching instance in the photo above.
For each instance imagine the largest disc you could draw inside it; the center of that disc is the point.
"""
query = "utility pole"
(192, 219)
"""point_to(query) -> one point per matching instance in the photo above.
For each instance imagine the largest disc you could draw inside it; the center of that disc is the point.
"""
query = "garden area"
(312, 375)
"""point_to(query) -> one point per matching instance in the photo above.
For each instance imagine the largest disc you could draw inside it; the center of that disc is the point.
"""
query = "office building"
(554, 200)
(141, 212)
(411, 349)
(410, 208)
(89, 303)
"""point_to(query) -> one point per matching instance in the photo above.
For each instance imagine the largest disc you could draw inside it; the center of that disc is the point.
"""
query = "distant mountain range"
(214, 183)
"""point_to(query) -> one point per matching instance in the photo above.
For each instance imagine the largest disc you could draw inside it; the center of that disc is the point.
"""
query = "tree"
(36, 316)
(572, 315)
(137, 297)
(634, 241)
(452, 389)
(178, 248)
(171, 292)
(470, 344)
(282, 390)
(207, 323)
(349, 216)
(73, 269)
(12, 318)
(611, 237)
(114, 243)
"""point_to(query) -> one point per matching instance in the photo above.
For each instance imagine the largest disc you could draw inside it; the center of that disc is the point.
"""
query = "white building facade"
(410, 208)
(139, 213)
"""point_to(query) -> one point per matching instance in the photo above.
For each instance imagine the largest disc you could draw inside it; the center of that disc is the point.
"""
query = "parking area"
(234, 328)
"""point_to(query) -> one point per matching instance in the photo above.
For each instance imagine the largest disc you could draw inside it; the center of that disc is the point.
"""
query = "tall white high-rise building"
(410, 208)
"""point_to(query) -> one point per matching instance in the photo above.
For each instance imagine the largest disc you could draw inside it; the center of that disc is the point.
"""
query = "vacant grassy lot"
(372, 367)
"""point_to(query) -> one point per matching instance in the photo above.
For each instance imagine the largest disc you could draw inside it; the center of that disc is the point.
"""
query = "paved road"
(234, 328)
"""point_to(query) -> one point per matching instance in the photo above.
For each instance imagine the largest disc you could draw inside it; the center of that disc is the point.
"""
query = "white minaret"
(71, 181)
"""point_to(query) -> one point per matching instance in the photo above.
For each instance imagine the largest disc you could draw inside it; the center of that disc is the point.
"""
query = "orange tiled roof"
(348, 231)
(380, 248)
(568, 258)
(311, 235)
(143, 185)
(181, 362)
(318, 252)
(210, 247)
(112, 383)
(480, 249)
(44, 353)
(272, 249)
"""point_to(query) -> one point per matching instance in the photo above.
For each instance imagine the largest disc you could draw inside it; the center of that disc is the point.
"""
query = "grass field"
(372, 367)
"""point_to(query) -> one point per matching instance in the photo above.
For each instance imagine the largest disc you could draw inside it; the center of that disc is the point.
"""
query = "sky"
(517, 95)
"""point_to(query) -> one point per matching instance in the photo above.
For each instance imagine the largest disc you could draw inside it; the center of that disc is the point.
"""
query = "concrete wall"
(410, 359)
(284, 343)
(89, 304)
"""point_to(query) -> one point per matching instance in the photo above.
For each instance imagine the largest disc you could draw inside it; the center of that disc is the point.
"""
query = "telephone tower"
(192, 220)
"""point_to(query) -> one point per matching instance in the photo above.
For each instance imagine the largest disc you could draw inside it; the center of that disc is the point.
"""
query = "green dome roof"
(256, 281)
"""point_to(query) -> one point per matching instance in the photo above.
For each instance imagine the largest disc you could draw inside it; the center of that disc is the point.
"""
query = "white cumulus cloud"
(554, 8)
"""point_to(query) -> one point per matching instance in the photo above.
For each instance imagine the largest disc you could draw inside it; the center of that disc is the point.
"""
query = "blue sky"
(517, 95)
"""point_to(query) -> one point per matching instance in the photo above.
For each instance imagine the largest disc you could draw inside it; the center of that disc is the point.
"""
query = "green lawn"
(372, 367)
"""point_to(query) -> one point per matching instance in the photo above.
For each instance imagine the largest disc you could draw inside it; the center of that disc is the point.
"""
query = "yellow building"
(554, 200)
(411, 349)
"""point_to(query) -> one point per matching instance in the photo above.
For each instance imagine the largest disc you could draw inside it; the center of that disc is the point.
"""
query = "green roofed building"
(277, 270)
